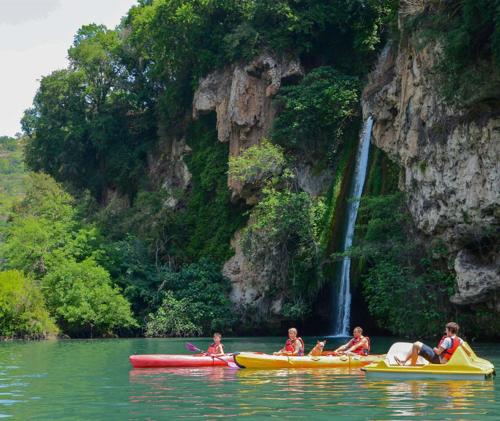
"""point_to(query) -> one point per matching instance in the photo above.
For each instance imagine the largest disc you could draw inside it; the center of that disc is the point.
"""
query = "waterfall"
(343, 310)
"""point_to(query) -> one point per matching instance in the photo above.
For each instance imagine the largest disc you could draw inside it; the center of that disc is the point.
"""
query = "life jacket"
(289, 346)
(455, 343)
(360, 351)
(212, 349)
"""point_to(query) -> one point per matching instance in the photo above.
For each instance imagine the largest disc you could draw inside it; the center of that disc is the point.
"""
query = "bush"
(82, 299)
(258, 163)
(173, 318)
(22, 308)
(206, 290)
(316, 113)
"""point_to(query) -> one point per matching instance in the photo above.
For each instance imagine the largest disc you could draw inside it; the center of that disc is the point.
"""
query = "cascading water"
(344, 298)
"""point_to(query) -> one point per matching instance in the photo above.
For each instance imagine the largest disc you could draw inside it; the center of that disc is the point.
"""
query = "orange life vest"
(290, 347)
(362, 350)
(447, 353)
(212, 349)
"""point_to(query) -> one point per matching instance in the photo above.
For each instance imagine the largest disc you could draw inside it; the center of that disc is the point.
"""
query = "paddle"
(193, 348)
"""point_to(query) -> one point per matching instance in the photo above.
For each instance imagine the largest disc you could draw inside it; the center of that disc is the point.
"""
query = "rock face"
(249, 288)
(241, 96)
(450, 162)
(168, 169)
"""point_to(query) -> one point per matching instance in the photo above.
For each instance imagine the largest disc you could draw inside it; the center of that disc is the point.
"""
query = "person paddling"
(216, 349)
(358, 345)
(440, 354)
(294, 345)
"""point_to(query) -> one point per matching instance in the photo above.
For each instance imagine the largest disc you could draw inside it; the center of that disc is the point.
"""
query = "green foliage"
(282, 238)
(22, 308)
(316, 114)
(259, 163)
(46, 240)
(323, 31)
(206, 290)
(208, 221)
(41, 224)
(399, 265)
(81, 298)
(202, 223)
(131, 267)
(173, 318)
(90, 124)
(296, 309)
(12, 174)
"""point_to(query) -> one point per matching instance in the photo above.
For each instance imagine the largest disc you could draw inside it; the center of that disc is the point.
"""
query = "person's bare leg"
(413, 355)
(417, 346)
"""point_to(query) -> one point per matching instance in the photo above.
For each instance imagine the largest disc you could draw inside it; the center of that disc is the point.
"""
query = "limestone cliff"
(241, 96)
(450, 160)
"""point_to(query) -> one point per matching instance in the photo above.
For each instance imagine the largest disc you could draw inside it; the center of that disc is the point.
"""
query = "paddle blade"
(192, 348)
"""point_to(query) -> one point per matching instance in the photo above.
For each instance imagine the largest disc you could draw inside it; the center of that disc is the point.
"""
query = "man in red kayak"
(440, 354)
(294, 345)
(216, 349)
(358, 345)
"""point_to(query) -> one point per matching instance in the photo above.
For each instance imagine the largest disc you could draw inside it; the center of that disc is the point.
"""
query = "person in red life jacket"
(440, 354)
(293, 346)
(358, 345)
(216, 349)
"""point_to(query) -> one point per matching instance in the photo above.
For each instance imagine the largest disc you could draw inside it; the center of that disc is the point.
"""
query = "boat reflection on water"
(412, 398)
(297, 383)
(158, 375)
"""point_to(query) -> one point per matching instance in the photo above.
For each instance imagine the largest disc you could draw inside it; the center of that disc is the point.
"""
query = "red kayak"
(169, 360)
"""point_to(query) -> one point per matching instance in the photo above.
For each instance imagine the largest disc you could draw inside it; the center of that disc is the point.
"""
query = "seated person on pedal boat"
(440, 354)
(294, 345)
(358, 345)
(216, 349)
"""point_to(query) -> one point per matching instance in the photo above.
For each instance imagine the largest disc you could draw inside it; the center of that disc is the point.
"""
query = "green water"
(82, 380)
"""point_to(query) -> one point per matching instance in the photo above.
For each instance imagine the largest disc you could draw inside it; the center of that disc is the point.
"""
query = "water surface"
(92, 379)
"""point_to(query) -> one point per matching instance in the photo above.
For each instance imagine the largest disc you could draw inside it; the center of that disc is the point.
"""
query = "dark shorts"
(428, 353)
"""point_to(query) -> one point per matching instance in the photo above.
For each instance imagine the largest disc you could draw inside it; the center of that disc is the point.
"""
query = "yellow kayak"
(461, 366)
(253, 360)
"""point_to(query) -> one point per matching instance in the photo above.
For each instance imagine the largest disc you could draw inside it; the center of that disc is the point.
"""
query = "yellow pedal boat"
(460, 367)
(255, 360)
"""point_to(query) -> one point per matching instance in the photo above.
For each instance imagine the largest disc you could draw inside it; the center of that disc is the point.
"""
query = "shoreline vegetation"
(95, 243)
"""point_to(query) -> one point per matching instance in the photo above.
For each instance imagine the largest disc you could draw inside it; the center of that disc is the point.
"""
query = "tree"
(22, 308)
(46, 240)
(42, 223)
(173, 318)
(206, 290)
